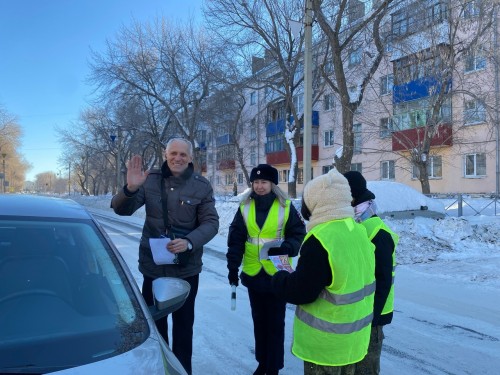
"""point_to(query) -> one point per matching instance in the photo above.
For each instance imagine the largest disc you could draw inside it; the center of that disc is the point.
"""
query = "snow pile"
(394, 196)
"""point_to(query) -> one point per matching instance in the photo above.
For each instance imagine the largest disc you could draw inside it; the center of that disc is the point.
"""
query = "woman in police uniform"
(265, 214)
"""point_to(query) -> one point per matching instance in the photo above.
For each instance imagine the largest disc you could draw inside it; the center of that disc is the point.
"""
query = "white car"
(68, 302)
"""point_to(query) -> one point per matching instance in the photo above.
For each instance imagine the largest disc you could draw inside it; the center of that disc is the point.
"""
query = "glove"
(233, 277)
(284, 249)
(277, 251)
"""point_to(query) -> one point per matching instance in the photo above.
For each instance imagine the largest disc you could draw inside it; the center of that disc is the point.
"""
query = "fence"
(469, 205)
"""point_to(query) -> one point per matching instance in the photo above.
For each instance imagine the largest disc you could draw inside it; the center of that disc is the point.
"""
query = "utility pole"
(306, 159)
(497, 103)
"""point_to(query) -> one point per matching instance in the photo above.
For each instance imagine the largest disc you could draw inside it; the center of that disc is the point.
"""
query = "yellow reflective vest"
(273, 229)
(334, 330)
(373, 225)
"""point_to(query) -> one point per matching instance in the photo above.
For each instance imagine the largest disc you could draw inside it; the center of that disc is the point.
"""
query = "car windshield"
(64, 298)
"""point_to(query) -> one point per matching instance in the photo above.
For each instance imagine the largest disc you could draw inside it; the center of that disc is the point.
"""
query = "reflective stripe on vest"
(373, 225)
(272, 229)
(339, 328)
(334, 330)
(344, 299)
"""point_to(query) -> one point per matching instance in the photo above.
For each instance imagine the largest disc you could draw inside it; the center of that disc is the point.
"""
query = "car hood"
(150, 358)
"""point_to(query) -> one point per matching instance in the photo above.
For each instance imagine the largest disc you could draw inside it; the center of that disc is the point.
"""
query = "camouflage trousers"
(314, 369)
(370, 365)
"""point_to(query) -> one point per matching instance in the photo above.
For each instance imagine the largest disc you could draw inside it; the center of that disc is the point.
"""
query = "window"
(410, 115)
(300, 176)
(386, 83)
(436, 12)
(240, 178)
(387, 170)
(328, 67)
(328, 138)
(328, 102)
(253, 130)
(275, 143)
(253, 156)
(253, 98)
(353, 93)
(385, 127)
(474, 112)
(410, 68)
(355, 57)
(226, 152)
(283, 175)
(388, 43)
(475, 165)
(475, 60)
(358, 142)
(217, 179)
(471, 9)
(356, 10)
(356, 167)
(314, 137)
(434, 168)
(399, 23)
(298, 102)
(326, 168)
(229, 178)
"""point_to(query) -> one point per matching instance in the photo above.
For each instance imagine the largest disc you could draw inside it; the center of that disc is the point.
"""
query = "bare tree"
(167, 68)
(224, 116)
(355, 48)
(262, 28)
(15, 164)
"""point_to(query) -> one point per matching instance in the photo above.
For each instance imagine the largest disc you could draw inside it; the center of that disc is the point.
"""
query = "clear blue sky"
(44, 54)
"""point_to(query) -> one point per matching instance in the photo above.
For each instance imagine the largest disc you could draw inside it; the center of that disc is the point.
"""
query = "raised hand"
(135, 175)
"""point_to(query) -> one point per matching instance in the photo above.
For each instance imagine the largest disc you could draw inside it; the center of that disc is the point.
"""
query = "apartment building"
(433, 102)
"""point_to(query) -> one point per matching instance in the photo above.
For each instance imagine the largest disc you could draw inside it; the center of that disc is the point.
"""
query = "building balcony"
(410, 138)
(278, 126)
(418, 89)
(282, 157)
(226, 164)
(225, 139)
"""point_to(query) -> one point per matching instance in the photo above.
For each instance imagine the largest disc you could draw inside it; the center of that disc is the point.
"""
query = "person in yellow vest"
(333, 284)
(385, 241)
(265, 214)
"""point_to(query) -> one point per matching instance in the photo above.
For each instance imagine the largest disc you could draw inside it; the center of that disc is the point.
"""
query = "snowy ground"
(447, 310)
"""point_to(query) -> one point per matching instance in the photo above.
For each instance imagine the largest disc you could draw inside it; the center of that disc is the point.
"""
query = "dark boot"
(272, 372)
(261, 370)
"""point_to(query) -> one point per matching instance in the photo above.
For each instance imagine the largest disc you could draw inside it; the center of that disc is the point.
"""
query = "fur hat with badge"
(264, 172)
(327, 197)
(359, 191)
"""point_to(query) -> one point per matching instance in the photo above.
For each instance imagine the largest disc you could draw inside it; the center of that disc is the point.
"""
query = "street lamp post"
(116, 137)
(3, 164)
(69, 179)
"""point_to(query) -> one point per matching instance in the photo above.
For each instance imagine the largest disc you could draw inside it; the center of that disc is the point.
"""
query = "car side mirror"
(169, 293)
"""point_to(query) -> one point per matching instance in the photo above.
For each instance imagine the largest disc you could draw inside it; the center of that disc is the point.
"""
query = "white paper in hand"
(160, 253)
(281, 262)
